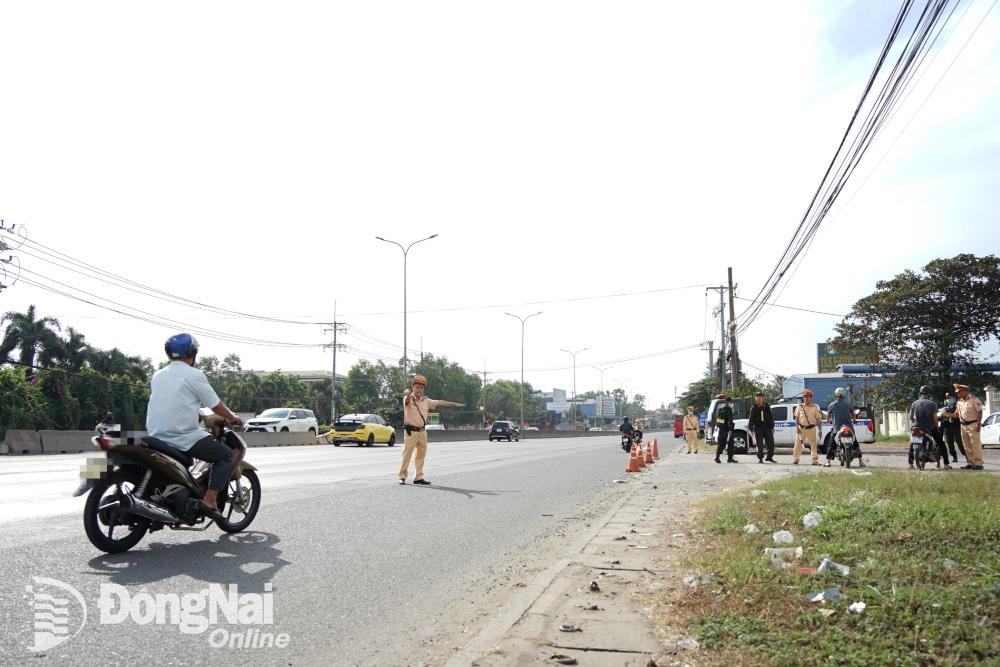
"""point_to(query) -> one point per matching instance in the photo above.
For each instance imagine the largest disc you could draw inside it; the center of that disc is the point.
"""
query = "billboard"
(557, 406)
(829, 357)
(606, 406)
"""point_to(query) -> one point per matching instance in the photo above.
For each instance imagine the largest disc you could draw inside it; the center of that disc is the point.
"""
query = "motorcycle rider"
(951, 426)
(840, 413)
(923, 414)
(178, 391)
(724, 430)
(626, 429)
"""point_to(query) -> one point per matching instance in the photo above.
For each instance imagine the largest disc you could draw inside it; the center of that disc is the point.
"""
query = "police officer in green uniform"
(951, 426)
(724, 430)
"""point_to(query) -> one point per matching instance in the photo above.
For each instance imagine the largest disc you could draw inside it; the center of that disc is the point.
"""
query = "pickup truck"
(784, 427)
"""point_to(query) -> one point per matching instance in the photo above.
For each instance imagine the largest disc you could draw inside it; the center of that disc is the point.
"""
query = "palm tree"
(34, 338)
(75, 350)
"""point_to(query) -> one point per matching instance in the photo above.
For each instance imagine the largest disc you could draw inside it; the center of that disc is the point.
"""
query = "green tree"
(22, 403)
(75, 351)
(33, 338)
(926, 325)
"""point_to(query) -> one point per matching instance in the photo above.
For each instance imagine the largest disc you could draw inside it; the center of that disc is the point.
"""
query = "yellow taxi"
(364, 430)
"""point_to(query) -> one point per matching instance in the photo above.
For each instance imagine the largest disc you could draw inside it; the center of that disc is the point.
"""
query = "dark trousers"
(953, 436)
(219, 455)
(724, 440)
(764, 436)
(942, 450)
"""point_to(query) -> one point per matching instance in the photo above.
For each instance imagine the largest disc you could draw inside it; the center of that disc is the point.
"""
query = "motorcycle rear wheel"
(96, 521)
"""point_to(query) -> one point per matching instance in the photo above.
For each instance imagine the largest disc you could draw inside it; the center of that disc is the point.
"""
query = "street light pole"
(621, 383)
(406, 251)
(573, 354)
(522, 320)
(601, 370)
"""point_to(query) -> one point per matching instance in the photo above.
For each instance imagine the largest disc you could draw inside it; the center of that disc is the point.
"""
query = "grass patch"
(895, 530)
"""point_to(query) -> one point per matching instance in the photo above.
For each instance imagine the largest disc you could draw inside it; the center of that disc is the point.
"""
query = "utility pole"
(337, 326)
(484, 392)
(573, 354)
(734, 362)
(710, 345)
(722, 333)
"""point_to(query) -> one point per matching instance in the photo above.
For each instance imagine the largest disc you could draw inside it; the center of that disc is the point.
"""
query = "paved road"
(361, 570)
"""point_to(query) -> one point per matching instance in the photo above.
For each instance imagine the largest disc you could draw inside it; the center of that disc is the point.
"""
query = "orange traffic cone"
(649, 454)
(633, 461)
(656, 451)
(639, 457)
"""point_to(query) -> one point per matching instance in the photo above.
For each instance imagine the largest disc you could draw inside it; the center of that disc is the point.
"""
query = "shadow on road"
(468, 493)
(249, 559)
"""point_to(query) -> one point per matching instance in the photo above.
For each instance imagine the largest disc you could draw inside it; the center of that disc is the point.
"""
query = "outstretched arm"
(451, 404)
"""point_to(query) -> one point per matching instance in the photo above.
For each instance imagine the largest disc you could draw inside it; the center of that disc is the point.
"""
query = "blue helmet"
(181, 346)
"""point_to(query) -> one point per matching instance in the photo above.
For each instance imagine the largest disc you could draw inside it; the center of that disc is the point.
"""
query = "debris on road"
(751, 529)
(783, 552)
(594, 588)
(563, 659)
(569, 627)
(857, 608)
(828, 612)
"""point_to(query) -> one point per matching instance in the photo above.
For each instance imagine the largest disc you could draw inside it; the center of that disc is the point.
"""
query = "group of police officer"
(958, 425)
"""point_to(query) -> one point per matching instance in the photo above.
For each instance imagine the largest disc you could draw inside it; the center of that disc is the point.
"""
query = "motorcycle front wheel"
(102, 517)
(242, 498)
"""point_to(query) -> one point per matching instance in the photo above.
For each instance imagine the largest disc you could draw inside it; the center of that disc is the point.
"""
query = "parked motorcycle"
(146, 487)
(924, 447)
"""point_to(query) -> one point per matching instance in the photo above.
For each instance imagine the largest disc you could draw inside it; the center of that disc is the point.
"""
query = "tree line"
(50, 379)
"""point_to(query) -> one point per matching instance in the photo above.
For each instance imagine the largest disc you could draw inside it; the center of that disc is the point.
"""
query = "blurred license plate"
(916, 441)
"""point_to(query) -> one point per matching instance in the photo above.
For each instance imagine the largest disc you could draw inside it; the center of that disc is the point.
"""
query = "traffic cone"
(649, 454)
(633, 462)
(638, 456)
(656, 451)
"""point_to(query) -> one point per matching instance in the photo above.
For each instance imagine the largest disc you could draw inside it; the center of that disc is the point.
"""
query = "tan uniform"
(691, 432)
(415, 414)
(970, 413)
(806, 415)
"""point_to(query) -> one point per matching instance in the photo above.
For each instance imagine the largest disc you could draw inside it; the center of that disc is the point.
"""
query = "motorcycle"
(847, 446)
(146, 487)
(924, 448)
(629, 439)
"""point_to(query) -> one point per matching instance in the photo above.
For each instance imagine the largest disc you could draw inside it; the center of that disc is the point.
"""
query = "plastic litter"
(830, 594)
(563, 659)
(861, 473)
(694, 580)
(751, 529)
(568, 627)
(783, 552)
(827, 565)
(780, 564)
(806, 570)
(757, 493)
(687, 644)
(950, 564)
(828, 612)
(812, 520)
(678, 534)
(857, 608)
(783, 537)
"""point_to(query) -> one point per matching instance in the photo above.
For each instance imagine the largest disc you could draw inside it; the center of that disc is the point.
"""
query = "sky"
(245, 155)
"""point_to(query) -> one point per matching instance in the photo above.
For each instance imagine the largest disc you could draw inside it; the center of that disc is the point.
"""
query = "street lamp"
(601, 370)
(405, 250)
(522, 320)
(573, 354)
(621, 382)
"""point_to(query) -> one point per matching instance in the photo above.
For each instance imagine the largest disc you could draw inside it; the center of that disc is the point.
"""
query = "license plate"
(916, 441)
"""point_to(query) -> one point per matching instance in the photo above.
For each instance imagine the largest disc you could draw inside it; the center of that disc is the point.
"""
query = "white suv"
(283, 419)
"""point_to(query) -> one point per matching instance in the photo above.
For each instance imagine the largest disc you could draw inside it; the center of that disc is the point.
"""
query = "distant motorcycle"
(924, 447)
(143, 488)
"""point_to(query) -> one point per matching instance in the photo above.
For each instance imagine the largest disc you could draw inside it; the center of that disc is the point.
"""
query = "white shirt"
(178, 392)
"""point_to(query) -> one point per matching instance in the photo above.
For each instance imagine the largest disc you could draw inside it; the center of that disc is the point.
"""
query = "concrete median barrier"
(21, 442)
(288, 439)
(66, 442)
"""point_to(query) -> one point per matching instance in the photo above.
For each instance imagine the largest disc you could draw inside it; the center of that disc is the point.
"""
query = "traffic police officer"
(807, 427)
(951, 426)
(691, 429)
(970, 413)
(724, 430)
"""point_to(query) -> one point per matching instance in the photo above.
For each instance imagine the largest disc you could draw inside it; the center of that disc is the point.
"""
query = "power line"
(804, 310)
